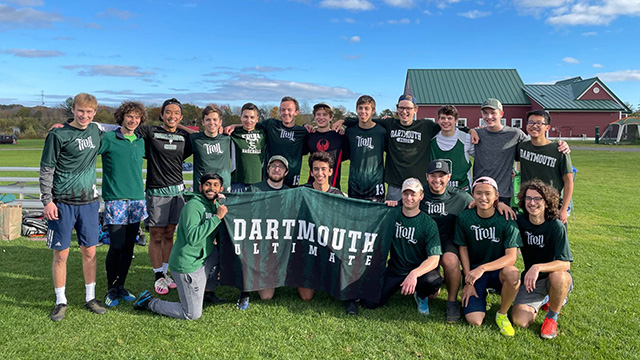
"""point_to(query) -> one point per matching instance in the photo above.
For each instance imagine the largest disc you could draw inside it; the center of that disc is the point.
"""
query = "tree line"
(34, 122)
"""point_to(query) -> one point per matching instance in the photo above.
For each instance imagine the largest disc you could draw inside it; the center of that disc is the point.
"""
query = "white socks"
(165, 268)
(90, 293)
(60, 297)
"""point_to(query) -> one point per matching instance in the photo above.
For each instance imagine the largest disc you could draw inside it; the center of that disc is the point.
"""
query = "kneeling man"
(488, 251)
(415, 252)
(194, 257)
(547, 258)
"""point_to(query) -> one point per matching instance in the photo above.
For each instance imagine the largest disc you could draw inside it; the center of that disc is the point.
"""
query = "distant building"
(576, 105)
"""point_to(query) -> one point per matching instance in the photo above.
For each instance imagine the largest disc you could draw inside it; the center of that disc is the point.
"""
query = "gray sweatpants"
(191, 287)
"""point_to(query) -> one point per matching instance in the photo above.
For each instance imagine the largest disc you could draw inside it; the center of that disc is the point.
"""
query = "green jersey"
(68, 165)
(366, 168)
(287, 142)
(264, 186)
(456, 148)
(543, 243)
(211, 154)
(543, 162)
(248, 155)
(122, 167)
(415, 239)
(444, 209)
(197, 228)
(408, 148)
(486, 239)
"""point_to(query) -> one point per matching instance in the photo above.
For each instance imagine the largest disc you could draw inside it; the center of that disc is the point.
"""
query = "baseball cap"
(485, 180)
(492, 103)
(412, 184)
(407, 97)
(321, 105)
(279, 158)
(439, 165)
(172, 101)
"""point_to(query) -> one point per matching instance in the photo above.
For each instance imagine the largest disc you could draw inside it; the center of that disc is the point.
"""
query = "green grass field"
(601, 320)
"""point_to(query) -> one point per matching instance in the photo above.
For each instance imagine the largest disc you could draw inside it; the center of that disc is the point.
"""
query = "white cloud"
(264, 69)
(109, 70)
(354, 39)
(618, 76)
(571, 60)
(427, 12)
(400, 3)
(113, 12)
(403, 21)
(12, 18)
(349, 20)
(475, 14)
(591, 13)
(353, 57)
(590, 33)
(33, 53)
(597, 65)
(354, 5)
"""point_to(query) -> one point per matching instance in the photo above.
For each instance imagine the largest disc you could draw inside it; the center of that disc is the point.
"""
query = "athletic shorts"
(536, 298)
(123, 212)
(490, 279)
(82, 218)
(447, 245)
(163, 210)
(394, 193)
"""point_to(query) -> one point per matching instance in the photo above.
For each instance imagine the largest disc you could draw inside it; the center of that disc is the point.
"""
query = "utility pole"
(42, 96)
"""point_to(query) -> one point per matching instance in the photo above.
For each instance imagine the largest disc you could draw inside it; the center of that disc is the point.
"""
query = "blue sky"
(231, 52)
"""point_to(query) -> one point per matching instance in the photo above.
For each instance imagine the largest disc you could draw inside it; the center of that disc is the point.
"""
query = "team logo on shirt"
(538, 158)
(406, 136)
(406, 233)
(213, 149)
(284, 134)
(535, 240)
(322, 145)
(435, 208)
(85, 143)
(252, 141)
(365, 142)
(485, 234)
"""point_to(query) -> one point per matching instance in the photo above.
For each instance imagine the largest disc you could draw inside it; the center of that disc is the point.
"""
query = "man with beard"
(277, 170)
(194, 257)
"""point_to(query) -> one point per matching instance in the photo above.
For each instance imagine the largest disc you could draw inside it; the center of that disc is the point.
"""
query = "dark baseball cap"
(439, 165)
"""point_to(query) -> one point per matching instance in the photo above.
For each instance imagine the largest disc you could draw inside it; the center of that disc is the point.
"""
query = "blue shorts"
(490, 279)
(123, 212)
(83, 218)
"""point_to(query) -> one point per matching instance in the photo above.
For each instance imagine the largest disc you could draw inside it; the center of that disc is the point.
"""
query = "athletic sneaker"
(142, 302)
(58, 312)
(94, 306)
(504, 325)
(161, 286)
(549, 328)
(453, 312)
(243, 303)
(170, 283)
(111, 299)
(545, 303)
(351, 307)
(423, 304)
(126, 295)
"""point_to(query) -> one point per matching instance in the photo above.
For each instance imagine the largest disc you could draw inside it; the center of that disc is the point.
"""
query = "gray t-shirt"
(495, 154)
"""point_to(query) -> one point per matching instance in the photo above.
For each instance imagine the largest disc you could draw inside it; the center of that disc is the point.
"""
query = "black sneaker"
(352, 307)
(142, 302)
(453, 312)
(210, 297)
(58, 312)
(94, 306)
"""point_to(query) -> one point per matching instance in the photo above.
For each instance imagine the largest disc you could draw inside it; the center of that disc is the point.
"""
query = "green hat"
(279, 158)
(492, 103)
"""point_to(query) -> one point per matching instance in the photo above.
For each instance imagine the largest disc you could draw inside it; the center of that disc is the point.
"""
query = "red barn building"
(576, 106)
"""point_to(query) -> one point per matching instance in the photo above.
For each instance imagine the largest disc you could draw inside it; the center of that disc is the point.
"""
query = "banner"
(305, 238)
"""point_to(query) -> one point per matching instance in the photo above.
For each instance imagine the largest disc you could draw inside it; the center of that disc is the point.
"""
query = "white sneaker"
(170, 283)
(161, 286)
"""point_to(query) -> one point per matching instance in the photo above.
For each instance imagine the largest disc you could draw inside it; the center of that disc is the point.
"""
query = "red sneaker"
(545, 306)
(549, 327)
